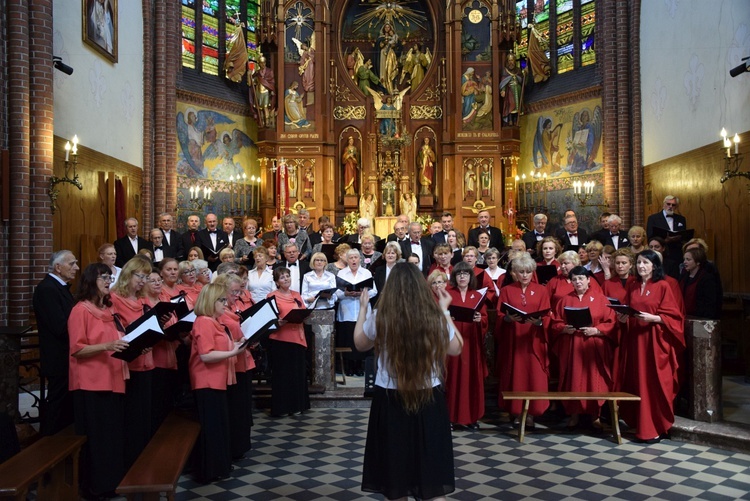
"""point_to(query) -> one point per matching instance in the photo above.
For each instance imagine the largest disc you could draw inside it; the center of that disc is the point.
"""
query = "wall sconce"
(584, 192)
(54, 180)
(732, 162)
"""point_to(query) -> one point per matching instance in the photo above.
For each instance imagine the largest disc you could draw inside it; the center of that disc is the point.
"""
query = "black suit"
(622, 241)
(125, 251)
(316, 238)
(236, 235)
(529, 238)
(175, 247)
(354, 238)
(441, 237)
(166, 252)
(600, 236)
(188, 242)
(562, 236)
(271, 235)
(659, 220)
(496, 237)
(304, 267)
(428, 245)
(211, 252)
(52, 304)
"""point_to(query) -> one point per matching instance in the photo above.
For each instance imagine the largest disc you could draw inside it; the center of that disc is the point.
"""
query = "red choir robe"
(484, 280)
(560, 286)
(676, 292)
(521, 348)
(650, 355)
(585, 361)
(615, 289)
(465, 373)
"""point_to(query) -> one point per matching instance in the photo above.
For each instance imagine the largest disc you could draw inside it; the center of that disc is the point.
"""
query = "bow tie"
(161, 247)
(289, 265)
(669, 217)
(614, 234)
(573, 234)
(416, 242)
(212, 232)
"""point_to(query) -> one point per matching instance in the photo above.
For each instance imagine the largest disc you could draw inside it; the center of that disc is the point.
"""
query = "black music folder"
(578, 317)
(141, 334)
(512, 310)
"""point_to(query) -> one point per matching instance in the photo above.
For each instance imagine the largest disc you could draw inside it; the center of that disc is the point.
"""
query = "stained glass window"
(572, 45)
(204, 49)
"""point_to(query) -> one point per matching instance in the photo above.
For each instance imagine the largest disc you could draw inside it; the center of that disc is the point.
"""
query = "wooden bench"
(528, 396)
(160, 464)
(52, 461)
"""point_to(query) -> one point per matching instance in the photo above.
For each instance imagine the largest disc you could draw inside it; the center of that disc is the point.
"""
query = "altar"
(384, 226)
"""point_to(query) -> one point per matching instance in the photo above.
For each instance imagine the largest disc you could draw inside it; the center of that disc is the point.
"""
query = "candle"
(736, 144)
(523, 185)
(67, 151)
(727, 145)
(723, 133)
(192, 193)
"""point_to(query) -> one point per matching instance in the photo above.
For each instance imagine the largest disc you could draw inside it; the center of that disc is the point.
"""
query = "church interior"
(372, 108)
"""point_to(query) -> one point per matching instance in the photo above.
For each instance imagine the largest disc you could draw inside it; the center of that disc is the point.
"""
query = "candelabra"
(583, 192)
(732, 162)
(531, 193)
(54, 180)
(197, 200)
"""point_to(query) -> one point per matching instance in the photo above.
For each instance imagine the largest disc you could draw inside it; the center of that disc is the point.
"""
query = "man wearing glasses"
(668, 219)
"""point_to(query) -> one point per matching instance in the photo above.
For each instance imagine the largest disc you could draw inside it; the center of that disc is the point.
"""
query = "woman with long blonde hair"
(409, 403)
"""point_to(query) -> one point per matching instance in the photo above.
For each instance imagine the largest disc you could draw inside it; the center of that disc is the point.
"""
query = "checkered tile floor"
(318, 456)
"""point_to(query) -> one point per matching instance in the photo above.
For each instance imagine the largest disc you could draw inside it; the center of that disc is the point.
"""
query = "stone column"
(703, 357)
(323, 348)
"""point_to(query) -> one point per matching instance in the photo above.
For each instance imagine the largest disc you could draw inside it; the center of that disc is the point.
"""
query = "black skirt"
(408, 454)
(214, 448)
(100, 415)
(240, 415)
(138, 421)
(289, 392)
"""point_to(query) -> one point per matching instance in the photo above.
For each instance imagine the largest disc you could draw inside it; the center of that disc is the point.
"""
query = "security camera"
(741, 68)
(58, 64)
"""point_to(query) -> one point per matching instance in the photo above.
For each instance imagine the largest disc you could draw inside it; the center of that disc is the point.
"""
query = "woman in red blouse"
(212, 358)
(97, 381)
(189, 283)
(287, 347)
(128, 303)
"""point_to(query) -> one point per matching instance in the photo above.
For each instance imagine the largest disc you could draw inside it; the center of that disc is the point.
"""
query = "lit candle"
(210, 190)
(67, 151)
(727, 145)
(523, 185)
(723, 133)
(736, 144)
(197, 191)
(192, 193)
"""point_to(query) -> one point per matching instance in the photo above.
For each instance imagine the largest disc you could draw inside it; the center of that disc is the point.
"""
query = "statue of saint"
(426, 162)
(368, 206)
(470, 181)
(409, 205)
(350, 161)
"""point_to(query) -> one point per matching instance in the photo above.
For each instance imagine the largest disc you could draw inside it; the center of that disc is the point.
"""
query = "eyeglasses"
(236, 293)
(188, 272)
(106, 278)
(462, 274)
(155, 281)
(140, 276)
(438, 284)
(222, 300)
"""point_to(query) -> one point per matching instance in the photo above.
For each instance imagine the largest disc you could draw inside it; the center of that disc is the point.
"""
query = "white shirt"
(417, 249)
(259, 287)
(312, 283)
(158, 255)
(383, 378)
(349, 306)
(670, 220)
(294, 275)
(167, 236)
(134, 243)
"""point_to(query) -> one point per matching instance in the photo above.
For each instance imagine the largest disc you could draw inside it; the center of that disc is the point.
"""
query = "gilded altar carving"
(349, 113)
(419, 112)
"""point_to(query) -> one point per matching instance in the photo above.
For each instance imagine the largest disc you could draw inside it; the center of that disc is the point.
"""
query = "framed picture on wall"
(100, 27)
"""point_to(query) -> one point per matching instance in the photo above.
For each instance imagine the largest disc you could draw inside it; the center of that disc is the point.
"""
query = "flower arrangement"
(425, 220)
(349, 226)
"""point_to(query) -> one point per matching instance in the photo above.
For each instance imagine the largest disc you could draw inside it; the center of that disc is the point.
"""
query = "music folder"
(328, 250)
(164, 307)
(465, 313)
(141, 334)
(613, 300)
(624, 308)
(183, 324)
(545, 273)
(345, 285)
(684, 235)
(259, 320)
(297, 315)
(179, 299)
(578, 317)
(512, 310)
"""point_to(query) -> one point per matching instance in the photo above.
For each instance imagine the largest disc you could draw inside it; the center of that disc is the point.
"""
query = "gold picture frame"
(100, 26)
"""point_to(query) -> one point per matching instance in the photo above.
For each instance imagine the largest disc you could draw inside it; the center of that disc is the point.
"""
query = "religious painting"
(387, 46)
(563, 142)
(476, 78)
(100, 27)
(213, 145)
(299, 67)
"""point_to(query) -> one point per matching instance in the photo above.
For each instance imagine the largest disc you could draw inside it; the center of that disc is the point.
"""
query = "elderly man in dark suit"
(496, 236)
(172, 240)
(421, 246)
(190, 237)
(530, 238)
(668, 219)
(570, 235)
(129, 245)
(297, 268)
(52, 304)
(212, 240)
(615, 237)
(233, 234)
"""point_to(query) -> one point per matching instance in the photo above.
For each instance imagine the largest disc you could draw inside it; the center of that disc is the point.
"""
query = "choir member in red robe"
(464, 374)
(471, 254)
(651, 351)
(548, 249)
(97, 382)
(585, 354)
(616, 287)
(522, 344)
(560, 286)
(442, 254)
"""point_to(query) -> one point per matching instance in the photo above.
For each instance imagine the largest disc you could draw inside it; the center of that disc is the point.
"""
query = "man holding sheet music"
(668, 220)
